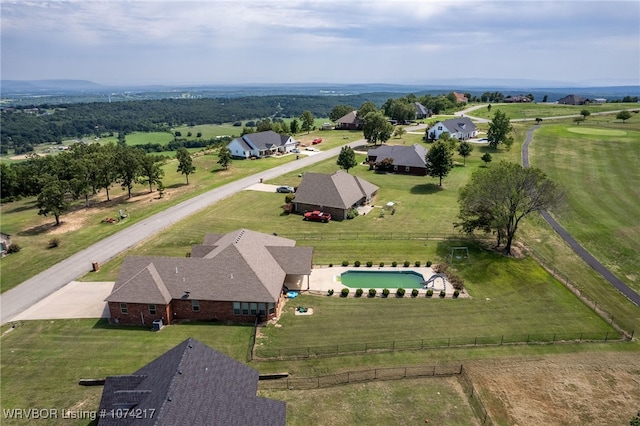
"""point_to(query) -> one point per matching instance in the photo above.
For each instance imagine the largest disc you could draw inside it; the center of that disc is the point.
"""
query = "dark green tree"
(151, 171)
(365, 109)
(498, 198)
(185, 163)
(307, 120)
(340, 111)
(295, 126)
(635, 421)
(52, 198)
(224, 157)
(465, 149)
(128, 166)
(486, 157)
(347, 158)
(623, 115)
(8, 181)
(585, 113)
(499, 129)
(263, 125)
(106, 171)
(439, 160)
(377, 128)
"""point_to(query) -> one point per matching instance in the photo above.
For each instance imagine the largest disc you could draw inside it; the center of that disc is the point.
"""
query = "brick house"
(350, 121)
(336, 193)
(410, 160)
(230, 277)
(191, 384)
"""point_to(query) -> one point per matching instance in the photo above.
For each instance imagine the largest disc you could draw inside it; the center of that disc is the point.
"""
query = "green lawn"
(531, 111)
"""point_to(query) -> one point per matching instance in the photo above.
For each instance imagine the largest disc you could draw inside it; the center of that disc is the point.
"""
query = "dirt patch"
(590, 388)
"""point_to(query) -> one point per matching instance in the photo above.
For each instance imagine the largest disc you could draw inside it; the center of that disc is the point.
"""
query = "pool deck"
(323, 278)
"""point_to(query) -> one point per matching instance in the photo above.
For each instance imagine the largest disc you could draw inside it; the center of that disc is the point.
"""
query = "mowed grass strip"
(544, 110)
(602, 180)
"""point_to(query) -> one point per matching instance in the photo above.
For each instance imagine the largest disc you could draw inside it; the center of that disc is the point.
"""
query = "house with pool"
(229, 277)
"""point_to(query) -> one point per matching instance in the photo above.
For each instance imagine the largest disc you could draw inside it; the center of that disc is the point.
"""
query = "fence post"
(393, 345)
(422, 344)
(449, 342)
(475, 341)
(501, 339)
(348, 377)
(405, 372)
(580, 338)
(308, 351)
(554, 338)
(318, 381)
(375, 373)
(527, 339)
(606, 336)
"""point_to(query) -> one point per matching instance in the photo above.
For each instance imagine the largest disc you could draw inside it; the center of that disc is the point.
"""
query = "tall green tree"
(340, 111)
(8, 181)
(623, 115)
(585, 113)
(439, 160)
(52, 198)
(498, 198)
(185, 162)
(365, 109)
(224, 157)
(151, 171)
(347, 158)
(307, 121)
(377, 128)
(106, 171)
(295, 126)
(128, 166)
(465, 149)
(499, 129)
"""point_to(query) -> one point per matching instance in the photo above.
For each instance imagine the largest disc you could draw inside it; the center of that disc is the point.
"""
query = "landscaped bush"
(344, 292)
(440, 268)
(406, 263)
(369, 264)
(385, 292)
(417, 264)
(359, 292)
(430, 292)
(13, 248)
(400, 292)
(331, 265)
(356, 263)
(429, 263)
(372, 292)
(330, 292)
(414, 292)
(442, 293)
(381, 264)
(351, 214)
(394, 263)
(345, 263)
(456, 281)
(289, 198)
(456, 294)
(54, 242)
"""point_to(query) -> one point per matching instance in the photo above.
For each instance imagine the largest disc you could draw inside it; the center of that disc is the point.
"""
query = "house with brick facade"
(402, 159)
(336, 193)
(350, 121)
(191, 384)
(229, 277)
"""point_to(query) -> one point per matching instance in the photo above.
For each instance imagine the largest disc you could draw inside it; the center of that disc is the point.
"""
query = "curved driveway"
(580, 251)
(40, 286)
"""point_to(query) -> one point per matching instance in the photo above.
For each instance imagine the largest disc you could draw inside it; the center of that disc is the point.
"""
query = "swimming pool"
(381, 279)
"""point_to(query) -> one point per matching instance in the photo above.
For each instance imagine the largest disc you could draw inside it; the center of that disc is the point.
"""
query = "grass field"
(531, 111)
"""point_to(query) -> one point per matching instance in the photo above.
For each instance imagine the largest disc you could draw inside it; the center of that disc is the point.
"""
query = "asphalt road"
(580, 251)
(40, 286)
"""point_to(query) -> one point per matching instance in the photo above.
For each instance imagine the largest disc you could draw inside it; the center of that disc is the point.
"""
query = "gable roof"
(407, 156)
(350, 118)
(421, 109)
(459, 124)
(572, 100)
(241, 265)
(262, 140)
(191, 384)
(339, 189)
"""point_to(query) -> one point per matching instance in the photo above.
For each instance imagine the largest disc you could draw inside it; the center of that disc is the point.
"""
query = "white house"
(262, 144)
(459, 128)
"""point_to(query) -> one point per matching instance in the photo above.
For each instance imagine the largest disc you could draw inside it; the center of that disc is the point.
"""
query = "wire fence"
(265, 353)
(475, 400)
(365, 236)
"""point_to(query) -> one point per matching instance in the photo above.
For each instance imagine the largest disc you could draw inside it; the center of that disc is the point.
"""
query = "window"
(195, 305)
(262, 308)
(395, 168)
(272, 308)
(245, 308)
(439, 127)
(407, 169)
(152, 309)
(236, 308)
(124, 310)
(254, 308)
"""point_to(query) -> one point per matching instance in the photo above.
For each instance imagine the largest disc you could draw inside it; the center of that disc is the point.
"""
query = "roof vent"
(187, 293)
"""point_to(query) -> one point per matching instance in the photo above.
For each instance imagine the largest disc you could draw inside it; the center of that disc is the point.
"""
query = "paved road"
(37, 288)
(580, 251)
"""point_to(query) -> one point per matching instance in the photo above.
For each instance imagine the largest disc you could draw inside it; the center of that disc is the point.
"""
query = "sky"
(325, 41)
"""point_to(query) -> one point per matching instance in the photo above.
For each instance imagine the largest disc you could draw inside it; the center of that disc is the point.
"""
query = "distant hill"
(32, 86)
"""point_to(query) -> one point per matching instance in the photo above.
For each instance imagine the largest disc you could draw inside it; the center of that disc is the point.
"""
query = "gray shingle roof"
(339, 189)
(240, 266)
(459, 124)
(264, 140)
(403, 156)
(421, 109)
(350, 118)
(191, 384)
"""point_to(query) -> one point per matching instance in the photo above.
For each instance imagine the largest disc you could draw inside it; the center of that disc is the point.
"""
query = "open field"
(531, 111)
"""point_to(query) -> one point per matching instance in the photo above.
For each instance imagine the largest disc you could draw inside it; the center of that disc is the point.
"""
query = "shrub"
(372, 292)
(414, 292)
(406, 263)
(369, 264)
(430, 292)
(400, 292)
(331, 265)
(289, 198)
(359, 292)
(54, 242)
(381, 264)
(330, 292)
(456, 281)
(344, 292)
(440, 268)
(417, 264)
(356, 263)
(456, 294)
(429, 263)
(442, 293)
(394, 263)
(13, 248)
(385, 292)
(345, 263)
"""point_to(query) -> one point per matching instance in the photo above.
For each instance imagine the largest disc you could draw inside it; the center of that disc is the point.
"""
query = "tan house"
(230, 277)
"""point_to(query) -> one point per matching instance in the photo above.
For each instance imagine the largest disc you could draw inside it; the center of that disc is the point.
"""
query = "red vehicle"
(316, 141)
(317, 216)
